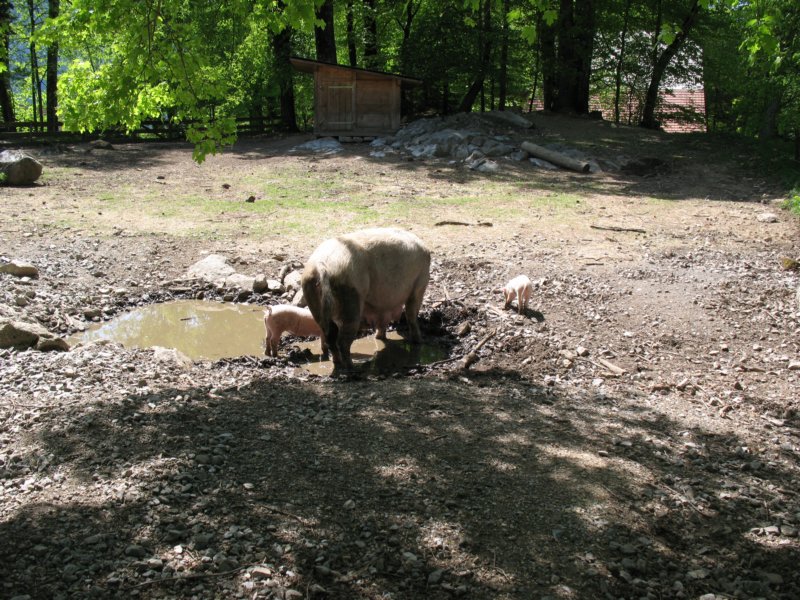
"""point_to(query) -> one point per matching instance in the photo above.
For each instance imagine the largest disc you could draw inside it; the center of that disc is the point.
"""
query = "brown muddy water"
(377, 356)
(201, 330)
(204, 330)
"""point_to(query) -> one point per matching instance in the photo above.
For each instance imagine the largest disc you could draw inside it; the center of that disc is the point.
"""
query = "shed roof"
(306, 65)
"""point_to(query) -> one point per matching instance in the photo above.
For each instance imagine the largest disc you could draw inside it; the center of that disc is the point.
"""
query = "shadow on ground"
(397, 488)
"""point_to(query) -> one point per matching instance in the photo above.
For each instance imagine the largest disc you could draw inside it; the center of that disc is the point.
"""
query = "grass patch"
(792, 204)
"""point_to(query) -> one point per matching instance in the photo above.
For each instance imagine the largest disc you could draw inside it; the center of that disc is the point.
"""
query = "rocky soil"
(634, 434)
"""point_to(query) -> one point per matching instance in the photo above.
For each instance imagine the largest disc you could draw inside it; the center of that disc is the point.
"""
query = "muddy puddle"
(201, 330)
(205, 330)
(376, 356)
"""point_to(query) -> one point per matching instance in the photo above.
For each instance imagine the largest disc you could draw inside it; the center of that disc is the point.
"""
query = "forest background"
(92, 65)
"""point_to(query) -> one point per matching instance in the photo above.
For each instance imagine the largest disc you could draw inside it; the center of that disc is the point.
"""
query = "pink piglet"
(286, 317)
(520, 289)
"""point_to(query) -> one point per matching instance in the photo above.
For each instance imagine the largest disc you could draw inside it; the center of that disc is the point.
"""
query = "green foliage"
(203, 63)
(793, 202)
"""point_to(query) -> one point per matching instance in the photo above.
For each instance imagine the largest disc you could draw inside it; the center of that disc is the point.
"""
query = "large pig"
(368, 275)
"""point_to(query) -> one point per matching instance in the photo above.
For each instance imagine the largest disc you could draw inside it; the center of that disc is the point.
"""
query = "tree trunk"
(36, 81)
(503, 84)
(547, 39)
(282, 51)
(6, 99)
(660, 66)
(370, 35)
(769, 120)
(405, 26)
(565, 57)
(557, 158)
(486, 56)
(352, 55)
(52, 74)
(575, 42)
(584, 47)
(324, 37)
(621, 60)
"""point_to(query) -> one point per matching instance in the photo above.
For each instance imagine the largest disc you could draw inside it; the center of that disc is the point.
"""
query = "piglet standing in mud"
(286, 317)
(520, 289)
(371, 275)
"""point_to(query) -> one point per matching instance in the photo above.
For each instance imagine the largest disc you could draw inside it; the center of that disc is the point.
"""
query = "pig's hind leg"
(413, 304)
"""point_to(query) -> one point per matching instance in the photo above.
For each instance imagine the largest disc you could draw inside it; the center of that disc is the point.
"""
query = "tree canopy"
(117, 63)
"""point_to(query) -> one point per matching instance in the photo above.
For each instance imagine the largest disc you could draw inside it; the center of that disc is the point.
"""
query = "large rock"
(21, 335)
(19, 168)
(213, 268)
(327, 145)
(171, 357)
(20, 268)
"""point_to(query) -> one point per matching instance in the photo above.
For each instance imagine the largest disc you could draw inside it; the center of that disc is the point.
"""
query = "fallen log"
(557, 158)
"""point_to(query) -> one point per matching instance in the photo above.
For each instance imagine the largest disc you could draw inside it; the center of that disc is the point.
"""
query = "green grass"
(793, 202)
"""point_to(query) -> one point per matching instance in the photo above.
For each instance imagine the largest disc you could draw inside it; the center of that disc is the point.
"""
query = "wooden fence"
(149, 130)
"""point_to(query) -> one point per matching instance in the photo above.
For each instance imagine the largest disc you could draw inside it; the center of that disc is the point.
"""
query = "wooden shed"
(350, 101)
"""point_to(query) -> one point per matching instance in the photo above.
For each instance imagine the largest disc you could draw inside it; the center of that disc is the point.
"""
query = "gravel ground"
(633, 435)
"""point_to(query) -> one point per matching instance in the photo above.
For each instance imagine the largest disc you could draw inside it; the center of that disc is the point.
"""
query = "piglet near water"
(286, 317)
(519, 288)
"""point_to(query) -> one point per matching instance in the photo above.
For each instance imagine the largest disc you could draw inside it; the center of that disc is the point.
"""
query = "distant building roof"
(683, 110)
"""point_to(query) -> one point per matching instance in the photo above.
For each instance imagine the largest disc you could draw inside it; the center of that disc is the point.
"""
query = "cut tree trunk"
(555, 157)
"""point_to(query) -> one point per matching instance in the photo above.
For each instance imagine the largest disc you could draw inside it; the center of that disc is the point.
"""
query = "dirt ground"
(634, 434)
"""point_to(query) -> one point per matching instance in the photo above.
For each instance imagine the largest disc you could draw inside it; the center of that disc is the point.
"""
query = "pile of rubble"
(481, 141)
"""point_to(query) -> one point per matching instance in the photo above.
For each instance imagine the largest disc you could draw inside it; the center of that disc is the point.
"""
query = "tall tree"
(324, 35)
(350, 24)
(410, 9)
(484, 60)
(546, 38)
(576, 30)
(6, 97)
(371, 59)
(52, 73)
(36, 80)
(621, 58)
(282, 50)
(501, 101)
(662, 61)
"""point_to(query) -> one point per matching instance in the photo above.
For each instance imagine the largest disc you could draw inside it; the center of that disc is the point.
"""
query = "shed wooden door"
(337, 106)
(375, 105)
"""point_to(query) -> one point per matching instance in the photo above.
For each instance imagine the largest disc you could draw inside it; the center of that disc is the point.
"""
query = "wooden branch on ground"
(557, 158)
(613, 228)
(472, 356)
(604, 364)
(479, 224)
(611, 367)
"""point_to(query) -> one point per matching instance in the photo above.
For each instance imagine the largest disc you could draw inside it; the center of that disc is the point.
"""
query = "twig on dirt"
(603, 366)
(472, 356)
(448, 300)
(444, 361)
(614, 228)
(446, 293)
(496, 311)
(278, 511)
(189, 577)
(478, 224)
(611, 367)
